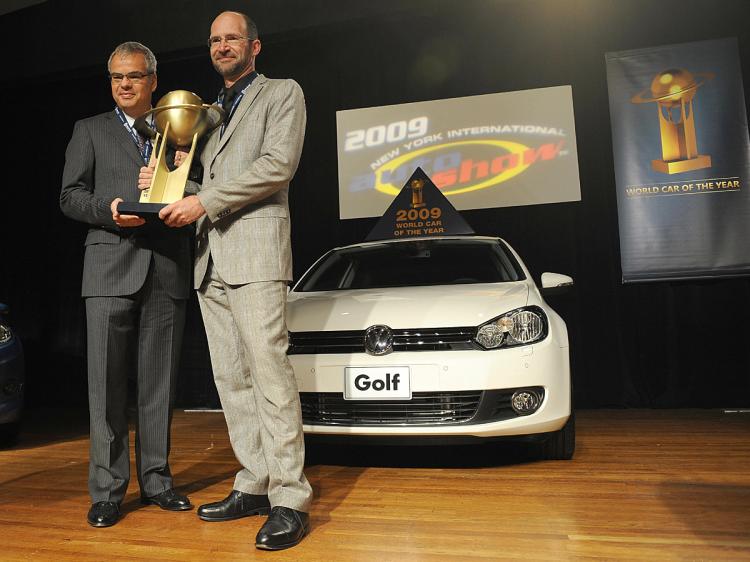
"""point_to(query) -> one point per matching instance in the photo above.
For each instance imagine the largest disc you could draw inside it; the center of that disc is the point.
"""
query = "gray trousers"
(247, 338)
(141, 332)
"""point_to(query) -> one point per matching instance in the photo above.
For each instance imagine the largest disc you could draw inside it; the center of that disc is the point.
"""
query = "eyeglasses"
(135, 77)
(231, 40)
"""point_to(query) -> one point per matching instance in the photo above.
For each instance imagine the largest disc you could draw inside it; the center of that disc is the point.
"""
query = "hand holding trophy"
(180, 119)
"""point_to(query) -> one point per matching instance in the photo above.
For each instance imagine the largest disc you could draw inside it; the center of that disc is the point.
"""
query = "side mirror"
(555, 283)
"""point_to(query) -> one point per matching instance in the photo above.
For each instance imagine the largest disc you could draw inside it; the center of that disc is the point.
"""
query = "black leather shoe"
(235, 505)
(169, 500)
(285, 528)
(103, 514)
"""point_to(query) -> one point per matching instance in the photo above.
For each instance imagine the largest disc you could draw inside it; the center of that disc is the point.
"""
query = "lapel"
(120, 133)
(247, 100)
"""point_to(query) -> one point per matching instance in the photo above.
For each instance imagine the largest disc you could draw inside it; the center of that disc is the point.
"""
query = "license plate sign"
(377, 383)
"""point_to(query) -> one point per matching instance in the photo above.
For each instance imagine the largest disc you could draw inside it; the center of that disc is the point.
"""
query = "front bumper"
(543, 365)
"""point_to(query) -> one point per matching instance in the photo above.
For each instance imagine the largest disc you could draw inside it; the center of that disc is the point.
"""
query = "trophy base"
(148, 211)
(677, 166)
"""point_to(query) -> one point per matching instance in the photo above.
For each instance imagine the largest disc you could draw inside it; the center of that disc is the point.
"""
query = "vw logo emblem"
(378, 340)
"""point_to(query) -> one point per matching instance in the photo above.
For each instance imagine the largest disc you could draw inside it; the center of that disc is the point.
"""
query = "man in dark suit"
(136, 279)
(242, 268)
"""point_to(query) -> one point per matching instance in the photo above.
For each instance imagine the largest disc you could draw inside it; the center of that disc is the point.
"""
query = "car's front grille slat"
(425, 408)
(353, 341)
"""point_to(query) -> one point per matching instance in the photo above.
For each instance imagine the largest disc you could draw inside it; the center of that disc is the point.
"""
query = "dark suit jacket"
(101, 164)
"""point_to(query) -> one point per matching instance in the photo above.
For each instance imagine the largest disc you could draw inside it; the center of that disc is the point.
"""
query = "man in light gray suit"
(136, 279)
(243, 265)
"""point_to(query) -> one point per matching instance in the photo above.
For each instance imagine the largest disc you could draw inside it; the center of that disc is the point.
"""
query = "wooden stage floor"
(644, 485)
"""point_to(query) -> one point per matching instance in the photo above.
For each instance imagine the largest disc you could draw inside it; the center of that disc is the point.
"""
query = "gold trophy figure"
(180, 119)
(417, 195)
(673, 91)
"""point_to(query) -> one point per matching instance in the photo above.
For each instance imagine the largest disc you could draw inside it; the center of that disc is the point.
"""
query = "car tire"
(9, 434)
(560, 445)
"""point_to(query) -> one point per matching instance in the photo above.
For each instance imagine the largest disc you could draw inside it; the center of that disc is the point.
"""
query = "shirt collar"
(131, 120)
(231, 93)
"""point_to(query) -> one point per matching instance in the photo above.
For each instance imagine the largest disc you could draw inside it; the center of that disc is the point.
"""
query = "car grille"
(353, 341)
(424, 409)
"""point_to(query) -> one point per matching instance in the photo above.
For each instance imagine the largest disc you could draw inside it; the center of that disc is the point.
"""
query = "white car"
(431, 337)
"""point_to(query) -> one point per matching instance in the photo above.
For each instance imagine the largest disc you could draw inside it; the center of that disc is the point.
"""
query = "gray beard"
(230, 71)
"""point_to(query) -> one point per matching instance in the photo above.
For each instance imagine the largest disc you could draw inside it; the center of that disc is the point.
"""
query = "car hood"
(404, 307)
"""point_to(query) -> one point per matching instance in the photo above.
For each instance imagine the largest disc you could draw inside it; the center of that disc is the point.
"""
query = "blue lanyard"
(143, 145)
(235, 103)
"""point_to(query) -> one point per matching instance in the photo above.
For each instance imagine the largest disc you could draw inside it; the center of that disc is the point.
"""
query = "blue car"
(11, 379)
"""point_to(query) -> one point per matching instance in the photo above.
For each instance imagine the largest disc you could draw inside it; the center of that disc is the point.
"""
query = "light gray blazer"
(245, 187)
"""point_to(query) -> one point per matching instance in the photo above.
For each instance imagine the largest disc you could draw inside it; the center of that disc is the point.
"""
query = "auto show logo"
(458, 160)
(462, 166)
(485, 151)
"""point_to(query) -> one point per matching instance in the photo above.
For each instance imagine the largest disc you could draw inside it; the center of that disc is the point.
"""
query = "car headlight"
(5, 334)
(518, 327)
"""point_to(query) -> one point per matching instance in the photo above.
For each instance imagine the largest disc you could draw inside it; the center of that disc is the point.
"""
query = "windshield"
(409, 264)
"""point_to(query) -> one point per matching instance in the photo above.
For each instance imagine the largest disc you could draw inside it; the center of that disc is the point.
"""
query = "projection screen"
(494, 150)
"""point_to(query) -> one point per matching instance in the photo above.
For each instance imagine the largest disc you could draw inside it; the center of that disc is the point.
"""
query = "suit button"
(212, 175)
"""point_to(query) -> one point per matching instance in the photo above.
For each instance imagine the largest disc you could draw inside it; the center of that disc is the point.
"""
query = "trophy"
(417, 196)
(673, 91)
(180, 119)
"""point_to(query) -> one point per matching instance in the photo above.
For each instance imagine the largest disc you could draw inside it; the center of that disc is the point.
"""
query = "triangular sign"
(419, 210)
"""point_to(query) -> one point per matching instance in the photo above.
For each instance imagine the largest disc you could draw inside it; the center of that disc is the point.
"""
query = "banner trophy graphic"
(419, 210)
(673, 91)
(180, 119)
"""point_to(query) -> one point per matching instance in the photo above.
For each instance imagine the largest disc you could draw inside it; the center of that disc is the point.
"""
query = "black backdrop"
(676, 344)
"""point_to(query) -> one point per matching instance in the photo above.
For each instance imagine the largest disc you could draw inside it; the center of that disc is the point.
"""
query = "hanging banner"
(681, 148)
